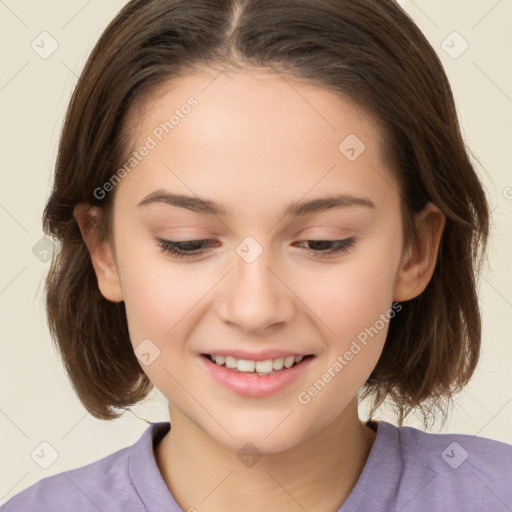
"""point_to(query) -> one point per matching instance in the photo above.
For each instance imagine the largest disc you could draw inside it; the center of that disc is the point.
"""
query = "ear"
(419, 259)
(102, 258)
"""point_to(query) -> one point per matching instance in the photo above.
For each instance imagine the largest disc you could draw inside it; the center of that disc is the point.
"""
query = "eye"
(192, 248)
(186, 249)
(338, 247)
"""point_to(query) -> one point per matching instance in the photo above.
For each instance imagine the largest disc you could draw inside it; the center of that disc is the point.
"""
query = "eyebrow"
(295, 208)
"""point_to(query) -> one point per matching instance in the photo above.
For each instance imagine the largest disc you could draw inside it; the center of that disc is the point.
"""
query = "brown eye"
(185, 249)
(320, 245)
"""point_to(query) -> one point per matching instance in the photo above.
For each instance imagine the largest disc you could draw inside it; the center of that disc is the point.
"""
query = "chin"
(261, 438)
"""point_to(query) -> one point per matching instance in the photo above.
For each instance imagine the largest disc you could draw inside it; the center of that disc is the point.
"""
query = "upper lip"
(257, 356)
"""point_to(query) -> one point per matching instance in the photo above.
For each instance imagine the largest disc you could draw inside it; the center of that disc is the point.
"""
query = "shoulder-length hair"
(367, 50)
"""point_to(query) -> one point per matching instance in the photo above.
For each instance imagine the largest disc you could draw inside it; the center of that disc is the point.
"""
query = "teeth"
(244, 365)
(263, 366)
(230, 361)
(278, 363)
(288, 362)
(267, 367)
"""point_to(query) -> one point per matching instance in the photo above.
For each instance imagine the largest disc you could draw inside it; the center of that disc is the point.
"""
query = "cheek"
(361, 288)
(354, 303)
(161, 299)
(157, 292)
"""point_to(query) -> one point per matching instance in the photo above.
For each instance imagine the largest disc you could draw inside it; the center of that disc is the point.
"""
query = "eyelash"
(173, 248)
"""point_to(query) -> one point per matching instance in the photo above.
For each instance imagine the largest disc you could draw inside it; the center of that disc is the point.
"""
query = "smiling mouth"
(262, 368)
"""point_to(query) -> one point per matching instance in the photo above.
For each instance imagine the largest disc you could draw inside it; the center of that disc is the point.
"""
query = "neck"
(317, 474)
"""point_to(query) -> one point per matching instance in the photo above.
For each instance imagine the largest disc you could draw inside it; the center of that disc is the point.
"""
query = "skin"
(254, 143)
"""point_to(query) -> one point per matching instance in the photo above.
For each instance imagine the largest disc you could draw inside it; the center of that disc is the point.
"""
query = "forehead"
(260, 100)
(256, 134)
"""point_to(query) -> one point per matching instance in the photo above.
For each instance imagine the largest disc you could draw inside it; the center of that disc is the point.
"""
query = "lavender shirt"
(408, 470)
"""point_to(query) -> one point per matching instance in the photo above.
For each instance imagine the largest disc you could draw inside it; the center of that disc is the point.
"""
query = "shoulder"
(101, 485)
(457, 469)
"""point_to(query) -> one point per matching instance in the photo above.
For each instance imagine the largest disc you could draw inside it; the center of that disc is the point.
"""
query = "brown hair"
(368, 50)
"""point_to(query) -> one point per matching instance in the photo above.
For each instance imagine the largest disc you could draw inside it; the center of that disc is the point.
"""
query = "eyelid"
(341, 246)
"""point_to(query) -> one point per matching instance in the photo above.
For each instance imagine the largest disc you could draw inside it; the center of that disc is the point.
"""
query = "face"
(265, 283)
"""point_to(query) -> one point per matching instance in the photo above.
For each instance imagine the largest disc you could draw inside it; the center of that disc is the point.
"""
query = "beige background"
(37, 402)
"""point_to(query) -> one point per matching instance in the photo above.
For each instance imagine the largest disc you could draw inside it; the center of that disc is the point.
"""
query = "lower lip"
(253, 385)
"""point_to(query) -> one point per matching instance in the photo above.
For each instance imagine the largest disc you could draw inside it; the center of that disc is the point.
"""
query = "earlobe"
(419, 260)
(103, 261)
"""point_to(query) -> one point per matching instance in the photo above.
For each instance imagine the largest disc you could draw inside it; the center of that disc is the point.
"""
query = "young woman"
(267, 211)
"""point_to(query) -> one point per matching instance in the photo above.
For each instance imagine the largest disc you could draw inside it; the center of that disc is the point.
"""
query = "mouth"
(260, 368)
(257, 379)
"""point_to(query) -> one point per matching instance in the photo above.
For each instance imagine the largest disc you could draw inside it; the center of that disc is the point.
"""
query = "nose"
(254, 296)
